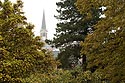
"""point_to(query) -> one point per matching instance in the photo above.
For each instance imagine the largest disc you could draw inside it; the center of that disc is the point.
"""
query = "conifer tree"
(105, 48)
(71, 30)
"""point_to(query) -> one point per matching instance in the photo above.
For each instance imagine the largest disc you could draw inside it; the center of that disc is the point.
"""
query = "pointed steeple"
(43, 31)
(43, 21)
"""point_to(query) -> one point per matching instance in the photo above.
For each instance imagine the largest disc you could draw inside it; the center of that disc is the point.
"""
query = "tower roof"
(43, 31)
(43, 27)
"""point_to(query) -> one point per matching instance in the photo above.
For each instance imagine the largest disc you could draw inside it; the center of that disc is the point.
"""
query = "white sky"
(34, 11)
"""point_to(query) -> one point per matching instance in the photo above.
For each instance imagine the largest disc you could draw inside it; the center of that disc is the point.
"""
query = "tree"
(71, 30)
(104, 48)
(20, 50)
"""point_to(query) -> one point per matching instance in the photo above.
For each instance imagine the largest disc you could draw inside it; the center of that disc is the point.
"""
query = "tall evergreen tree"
(20, 50)
(71, 30)
(105, 48)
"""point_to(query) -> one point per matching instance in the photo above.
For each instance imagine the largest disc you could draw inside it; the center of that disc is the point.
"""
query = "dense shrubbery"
(66, 76)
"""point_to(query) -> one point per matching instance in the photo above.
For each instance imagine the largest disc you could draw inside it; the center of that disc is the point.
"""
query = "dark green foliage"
(71, 30)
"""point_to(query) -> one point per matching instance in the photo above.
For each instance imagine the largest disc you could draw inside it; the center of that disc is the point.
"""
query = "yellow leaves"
(86, 8)
(105, 45)
(1, 75)
(83, 8)
(1, 38)
(88, 75)
(20, 51)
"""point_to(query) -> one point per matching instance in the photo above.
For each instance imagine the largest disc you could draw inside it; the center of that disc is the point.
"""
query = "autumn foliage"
(20, 50)
(105, 47)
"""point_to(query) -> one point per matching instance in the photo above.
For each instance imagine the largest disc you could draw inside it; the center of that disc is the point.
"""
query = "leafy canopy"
(104, 48)
(20, 50)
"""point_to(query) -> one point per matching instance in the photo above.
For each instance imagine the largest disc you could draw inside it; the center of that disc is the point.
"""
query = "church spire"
(43, 21)
(43, 31)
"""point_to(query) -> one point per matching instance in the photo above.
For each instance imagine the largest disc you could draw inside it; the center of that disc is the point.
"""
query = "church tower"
(43, 31)
(43, 34)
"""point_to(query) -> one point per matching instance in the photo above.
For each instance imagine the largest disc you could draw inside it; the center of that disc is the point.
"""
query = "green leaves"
(104, 47)
(20, 50)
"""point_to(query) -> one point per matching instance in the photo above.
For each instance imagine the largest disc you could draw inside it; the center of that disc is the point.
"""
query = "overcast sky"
(34, 11)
